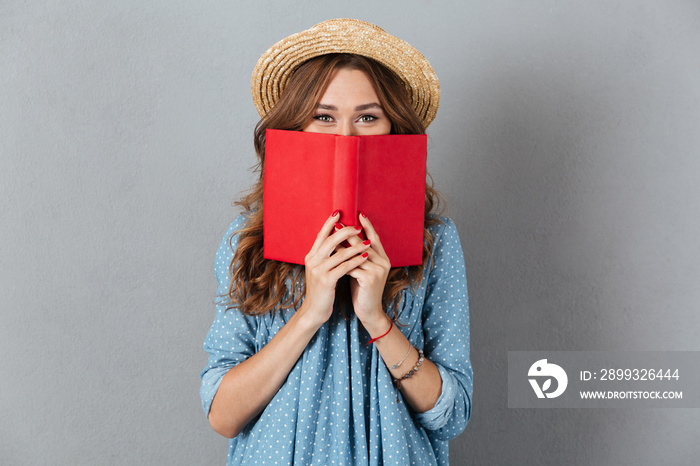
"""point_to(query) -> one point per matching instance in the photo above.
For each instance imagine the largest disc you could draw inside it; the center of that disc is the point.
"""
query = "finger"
(353, 239)
(345, 253)
(368, 268)
(341, 234)
(358, 272)
(372, 235)
(350, 243)
(349, 265)
(356, 238)
(353, 229)
(325, 232)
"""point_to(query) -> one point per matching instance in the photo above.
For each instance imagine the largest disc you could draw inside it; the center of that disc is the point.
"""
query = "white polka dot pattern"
(338, 405)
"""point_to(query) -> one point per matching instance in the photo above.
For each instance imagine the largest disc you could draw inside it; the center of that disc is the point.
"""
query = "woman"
(291, 377)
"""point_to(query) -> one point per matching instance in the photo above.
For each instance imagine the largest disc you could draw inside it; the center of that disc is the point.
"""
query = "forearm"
(422, 390)
(248, 387)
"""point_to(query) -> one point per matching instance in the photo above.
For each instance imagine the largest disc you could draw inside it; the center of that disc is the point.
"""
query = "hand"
(368, 281)
(325, 263)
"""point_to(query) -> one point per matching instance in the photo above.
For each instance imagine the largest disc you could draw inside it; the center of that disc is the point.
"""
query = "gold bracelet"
(409, 374)
(398, 364)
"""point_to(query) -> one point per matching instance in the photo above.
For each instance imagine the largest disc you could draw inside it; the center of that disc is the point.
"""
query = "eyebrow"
(359, 108)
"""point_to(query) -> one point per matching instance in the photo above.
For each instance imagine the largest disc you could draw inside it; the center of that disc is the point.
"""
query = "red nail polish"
(364, 215)
(335, 213)
(358, 228)
(338, 226)
(365, 255)
(366, 242)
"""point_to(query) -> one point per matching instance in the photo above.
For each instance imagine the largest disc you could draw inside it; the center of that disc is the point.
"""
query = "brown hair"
(259, 285)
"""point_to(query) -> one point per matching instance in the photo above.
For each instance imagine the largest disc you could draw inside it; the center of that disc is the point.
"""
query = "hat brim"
(277, 64)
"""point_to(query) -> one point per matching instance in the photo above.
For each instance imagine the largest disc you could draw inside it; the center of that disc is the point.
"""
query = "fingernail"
(366, 242)
(365, 255)
(358, 228)
(338, 226)
(335, 213)
(364, 215)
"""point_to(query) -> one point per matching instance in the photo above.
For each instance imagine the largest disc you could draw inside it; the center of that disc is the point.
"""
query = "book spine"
(345, 179)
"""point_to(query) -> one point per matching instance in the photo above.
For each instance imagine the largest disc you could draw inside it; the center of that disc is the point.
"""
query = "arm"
(440, 392)
(446, 332)
(248, 387)
(252, 378)
(423, 389)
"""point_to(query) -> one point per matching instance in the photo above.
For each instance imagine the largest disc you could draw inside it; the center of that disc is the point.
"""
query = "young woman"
(344, 360)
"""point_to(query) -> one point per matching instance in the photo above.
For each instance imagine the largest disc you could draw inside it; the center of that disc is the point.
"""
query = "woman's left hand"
(368, 282)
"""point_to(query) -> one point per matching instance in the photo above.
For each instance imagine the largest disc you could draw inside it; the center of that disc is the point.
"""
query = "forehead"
(349, 85)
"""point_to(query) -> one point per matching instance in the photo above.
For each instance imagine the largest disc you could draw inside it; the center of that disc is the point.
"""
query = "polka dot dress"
(338, 404)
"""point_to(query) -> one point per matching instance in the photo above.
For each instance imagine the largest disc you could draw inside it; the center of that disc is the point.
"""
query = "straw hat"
(346, 36)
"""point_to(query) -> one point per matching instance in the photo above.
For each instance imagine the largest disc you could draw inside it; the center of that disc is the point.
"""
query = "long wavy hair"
(260, 285)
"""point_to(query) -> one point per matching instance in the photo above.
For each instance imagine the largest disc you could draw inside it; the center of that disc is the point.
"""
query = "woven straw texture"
(277, 64)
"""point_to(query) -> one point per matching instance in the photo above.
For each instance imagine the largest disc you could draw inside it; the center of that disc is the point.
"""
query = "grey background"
(566, 144)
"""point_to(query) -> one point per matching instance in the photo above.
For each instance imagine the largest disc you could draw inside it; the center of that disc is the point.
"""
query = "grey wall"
(567, 146)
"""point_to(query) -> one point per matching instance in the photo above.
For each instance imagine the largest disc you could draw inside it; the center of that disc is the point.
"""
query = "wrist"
(378, 326)
(307, 319)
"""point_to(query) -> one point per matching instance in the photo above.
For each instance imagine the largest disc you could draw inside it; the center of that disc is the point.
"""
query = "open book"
(309, 175)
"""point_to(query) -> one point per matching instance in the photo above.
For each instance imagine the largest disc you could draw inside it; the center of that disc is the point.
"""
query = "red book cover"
(309, 175)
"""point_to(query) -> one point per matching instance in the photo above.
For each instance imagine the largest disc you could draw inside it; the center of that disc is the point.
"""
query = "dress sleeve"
(446, 331)
(231, 338)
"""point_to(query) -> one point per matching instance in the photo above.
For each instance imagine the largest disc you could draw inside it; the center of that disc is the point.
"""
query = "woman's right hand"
(326, 263)
(248, 387)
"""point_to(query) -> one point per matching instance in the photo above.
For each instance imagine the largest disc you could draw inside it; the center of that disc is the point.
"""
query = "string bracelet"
(409, 374)
(398, 364)
(382, 336)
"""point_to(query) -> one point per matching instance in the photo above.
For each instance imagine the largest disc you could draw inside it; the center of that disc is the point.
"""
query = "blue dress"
(338, 404)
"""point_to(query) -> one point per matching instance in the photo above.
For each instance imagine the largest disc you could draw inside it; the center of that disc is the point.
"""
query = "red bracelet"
(387, 333)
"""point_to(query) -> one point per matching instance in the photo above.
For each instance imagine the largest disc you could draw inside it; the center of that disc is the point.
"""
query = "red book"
(309, 175)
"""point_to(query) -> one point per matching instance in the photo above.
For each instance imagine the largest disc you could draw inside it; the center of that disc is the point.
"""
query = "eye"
(323, 118)
(368, 118)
